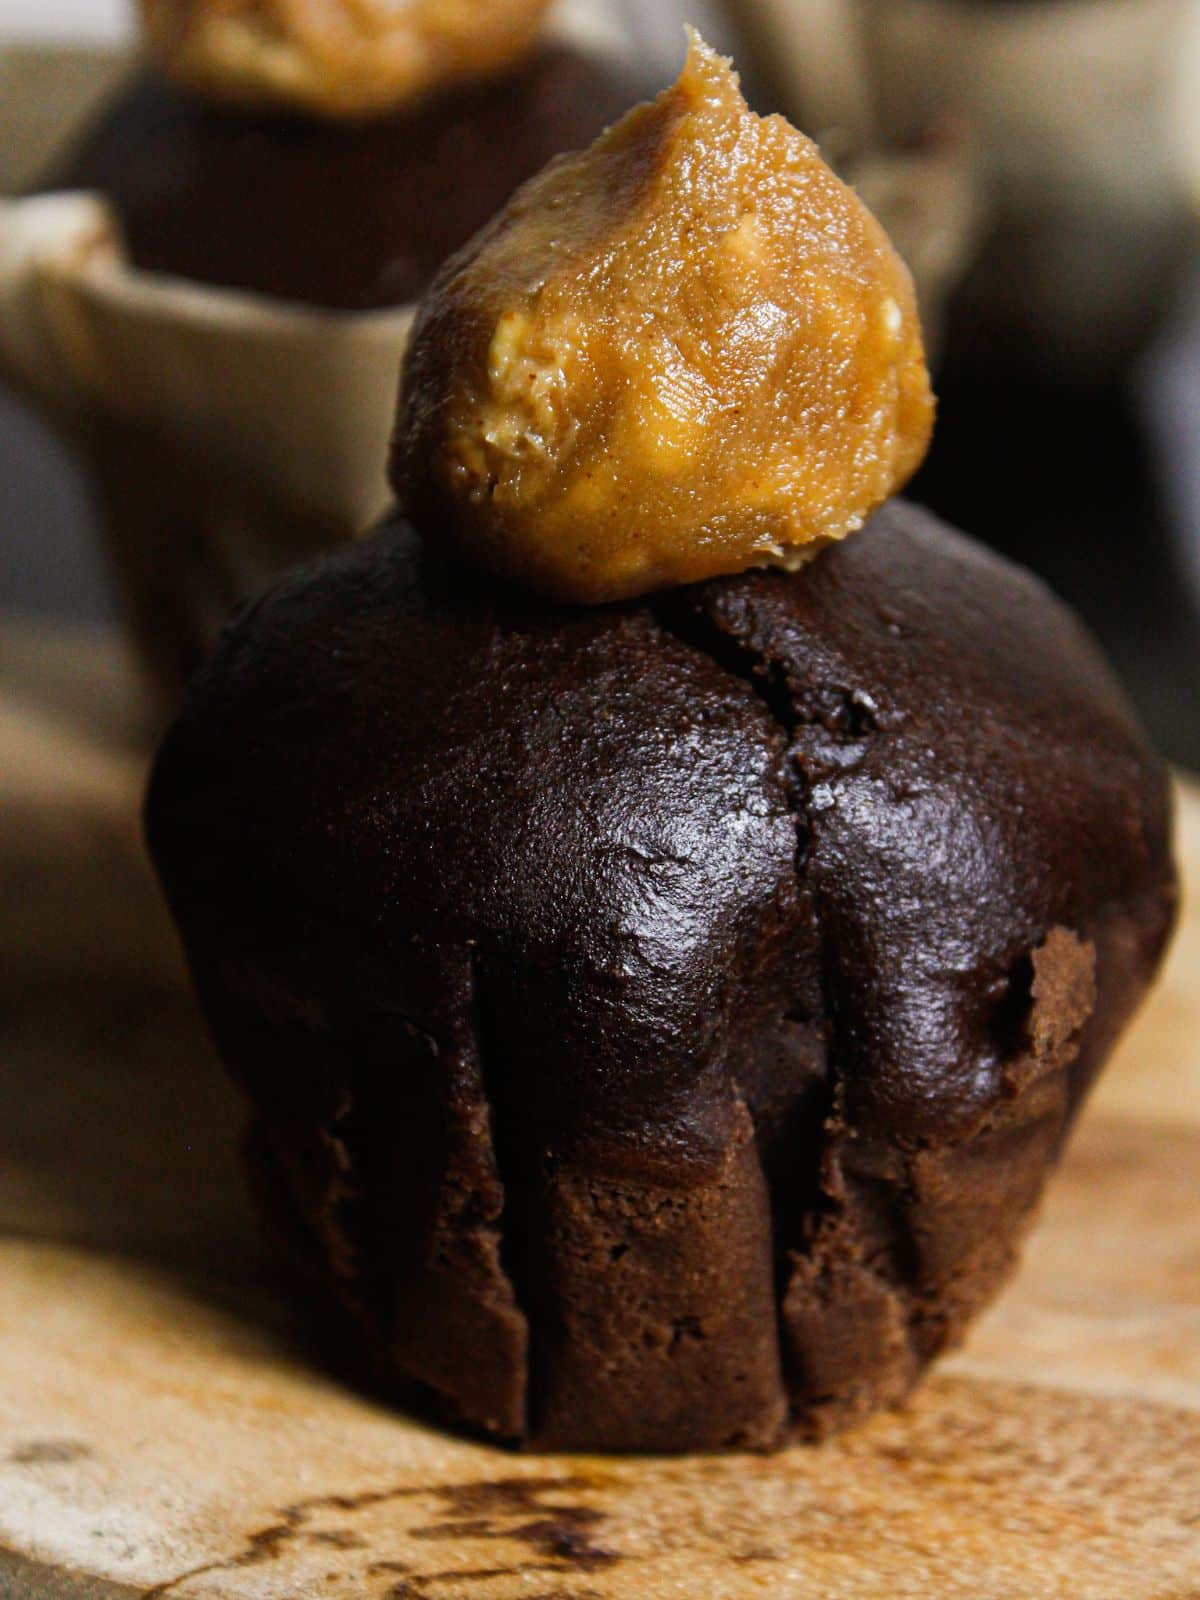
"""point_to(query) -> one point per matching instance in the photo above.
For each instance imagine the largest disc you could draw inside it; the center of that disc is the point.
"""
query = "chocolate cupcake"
(336, 214)
(659, 1017)
(662, 1019)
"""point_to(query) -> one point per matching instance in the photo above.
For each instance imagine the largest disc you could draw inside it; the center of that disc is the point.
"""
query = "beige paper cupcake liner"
(302, 400)
(224, 436)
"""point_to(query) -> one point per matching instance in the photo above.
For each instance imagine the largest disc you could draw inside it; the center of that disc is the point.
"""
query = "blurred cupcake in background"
(334, 155)
(209, 290)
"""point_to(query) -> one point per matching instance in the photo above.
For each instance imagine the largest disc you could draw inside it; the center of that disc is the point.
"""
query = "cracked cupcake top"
(687, 351)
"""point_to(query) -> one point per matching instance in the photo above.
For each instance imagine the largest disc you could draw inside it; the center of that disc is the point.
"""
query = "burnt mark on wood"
(260, 1547)
(418, 1582)
(566, 1594)
(540, 1513)
(568, 1541)
(557, 1530)
(338, 1539)
(426, 1588)
(506, 1495)
(50, 1453)
(473, 1528)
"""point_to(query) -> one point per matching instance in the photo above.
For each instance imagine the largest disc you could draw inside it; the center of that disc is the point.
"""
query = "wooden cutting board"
(166, 1431)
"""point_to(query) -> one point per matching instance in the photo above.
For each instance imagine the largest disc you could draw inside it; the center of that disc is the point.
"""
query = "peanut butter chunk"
(338, 58)
(687, 351)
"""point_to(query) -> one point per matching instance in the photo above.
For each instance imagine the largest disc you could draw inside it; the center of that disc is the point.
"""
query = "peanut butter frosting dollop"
(687, 351)
(338, 58)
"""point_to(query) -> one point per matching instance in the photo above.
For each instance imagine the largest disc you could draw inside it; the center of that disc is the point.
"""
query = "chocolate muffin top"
(345, 216)
(663, 1015)
(659, 1018)
(892, 773)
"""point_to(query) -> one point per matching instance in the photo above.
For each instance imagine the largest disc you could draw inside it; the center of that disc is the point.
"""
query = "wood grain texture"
(167, 1428)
